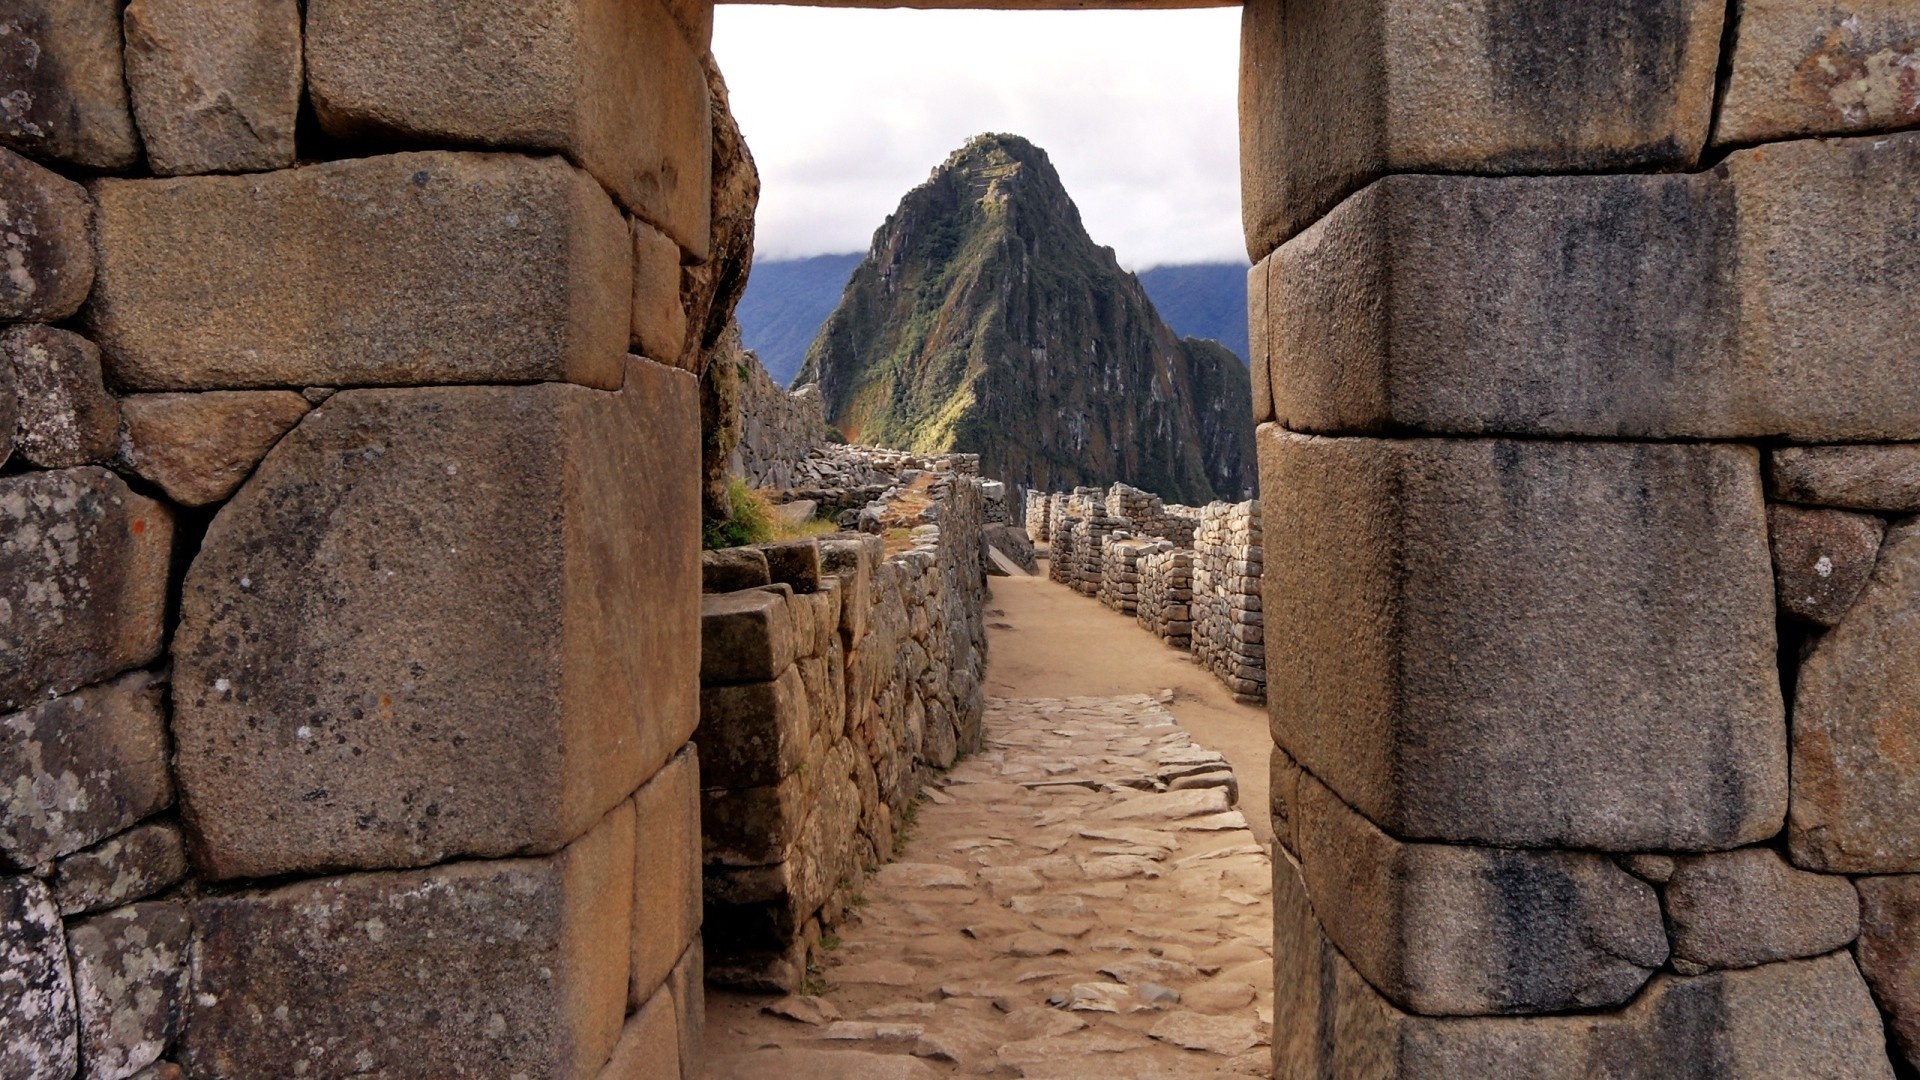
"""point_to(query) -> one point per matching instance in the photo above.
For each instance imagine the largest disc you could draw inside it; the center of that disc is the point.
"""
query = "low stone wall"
(1228, 625)
(778, 429)
(835, 675)
(1165, 604)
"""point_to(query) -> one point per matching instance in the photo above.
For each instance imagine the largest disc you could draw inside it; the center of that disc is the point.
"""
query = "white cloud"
(846, 109)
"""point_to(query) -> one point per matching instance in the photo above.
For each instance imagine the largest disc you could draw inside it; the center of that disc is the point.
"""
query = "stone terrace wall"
(347, 733)
(778, 430)
(834, 681)
(1589, 497)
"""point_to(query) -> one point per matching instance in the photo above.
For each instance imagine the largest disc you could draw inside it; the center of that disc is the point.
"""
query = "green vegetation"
(754, 521)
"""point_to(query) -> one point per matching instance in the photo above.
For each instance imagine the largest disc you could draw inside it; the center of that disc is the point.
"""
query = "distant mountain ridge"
(1203, 300)
(984, 319)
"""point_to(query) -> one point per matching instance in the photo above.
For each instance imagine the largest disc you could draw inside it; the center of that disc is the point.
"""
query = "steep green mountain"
(1201, 300)
(785, 303)
(985, 320)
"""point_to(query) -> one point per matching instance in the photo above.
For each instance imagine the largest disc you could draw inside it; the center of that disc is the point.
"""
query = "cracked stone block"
(66, 416)
(503, 967)
(46, 241)
(1889, 955)
(36, 986)
(215, 83)
(517, 660)
(1335, 93)
(1528, 644)
(83, 581)
(1636, 306)
(1856, 785)
(1747, 907)
(1796, 1018)
(659, 320)
(129, 977)
(1800, 68)
(744, 637)
(137, 863)
(517, 269)
(614, 84)
(666, 878)
(199, 447)
(1884, 478)
(80, 768)
(649, 1046)
(1821, 559)
(1462, 931)
(64, 97)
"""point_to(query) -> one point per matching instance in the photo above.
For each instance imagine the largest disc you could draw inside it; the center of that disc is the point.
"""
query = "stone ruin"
(778, 429)
(1228, 622)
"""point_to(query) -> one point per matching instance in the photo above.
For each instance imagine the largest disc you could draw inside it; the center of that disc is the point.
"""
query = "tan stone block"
(666, 878)
(36, 990)
(130, 980)
(1259, 353)
(1856, 780)
(1801, 68)
(518, 660)
(753, 826)
(137, 863)
(1889, 955)
(1334, 94)
(81, 767)
(753, 734)
(61, 91)
(199, 447)
(503, 967)
(516, 269)
(688, 983)
(1748, 907)
(649, 1046)
(613, 84)
(744, 637)
(1885, 478)
(66, 417)
(1821, 559)
(83, 574)
(1528, 643)
(215, 83)
(659, 322)
(46, 240)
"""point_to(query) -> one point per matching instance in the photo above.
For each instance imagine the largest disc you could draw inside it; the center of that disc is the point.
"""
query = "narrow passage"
(1080, 900)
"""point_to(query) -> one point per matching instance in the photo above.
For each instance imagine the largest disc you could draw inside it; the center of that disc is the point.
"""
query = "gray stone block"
(1883, 478)
(1889, 956)
(130, 979)
(666, 877)
(36, 986)
(744, 637)
(1748, 907)
(46, 238)
(1821, 559)
(199, 447)
(135, 864)
(66, 417)
(753, 734)
(81, 768)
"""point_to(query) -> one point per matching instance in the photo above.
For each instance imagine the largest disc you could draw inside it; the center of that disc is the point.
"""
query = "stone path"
(1077, 901)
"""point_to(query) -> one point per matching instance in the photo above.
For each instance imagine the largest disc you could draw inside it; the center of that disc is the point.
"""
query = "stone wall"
(836, 675)
(1228, 625)
(1165, 604)
(778, 430)
(348, 538)
(1593, 717)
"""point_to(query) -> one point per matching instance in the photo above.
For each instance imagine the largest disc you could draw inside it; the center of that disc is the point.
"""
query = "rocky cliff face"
(985, 320)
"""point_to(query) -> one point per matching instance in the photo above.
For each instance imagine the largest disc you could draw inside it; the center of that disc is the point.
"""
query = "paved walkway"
(1078, 901)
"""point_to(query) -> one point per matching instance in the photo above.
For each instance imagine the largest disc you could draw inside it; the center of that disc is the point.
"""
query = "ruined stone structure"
(836, 674)
(1165, 604)
(1228, 624)
(1587, 699)
(778, 430)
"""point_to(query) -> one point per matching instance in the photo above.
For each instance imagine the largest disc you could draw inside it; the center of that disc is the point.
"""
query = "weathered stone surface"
(1435, 679)
(137, 863)
(80, 768)
(710, 290)
(1889, 955)
(215, 83)
(505, 967)
(1800, 69)
(83, 580)
(129, 977)
(60, 70)
(1799, 1018)
(1260, 356)
(753, 826)
(1856, 772)
(1335, 94)
(1885, 478)
(1821, 559)
(517, 660)
(199, 447)
(518, 269)
(795, 563)
(614, 84)
(732, 569)
(649, 1046)
(688, 983)
(1663, 306)
(66, 417)
(852, 561)
(1747, 907)
(744, 637)
(666, 873)
(46, 240)
(1447, 930)
(659, 322)
(36, 986)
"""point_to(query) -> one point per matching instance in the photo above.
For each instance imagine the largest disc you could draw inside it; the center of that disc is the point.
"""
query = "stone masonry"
(1588, 459)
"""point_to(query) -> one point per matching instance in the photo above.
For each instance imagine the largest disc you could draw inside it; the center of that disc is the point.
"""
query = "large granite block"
(491, 591)
(1334, 93)
(62, 95)
(471, 969)
(1809, 67)
(745, 636)
(516, 269)
(614, 84)
(753, 734)
(46, 240)
(666, 873)
(1527, 643)
(215, 83)
(1889, 955)
(80, 768)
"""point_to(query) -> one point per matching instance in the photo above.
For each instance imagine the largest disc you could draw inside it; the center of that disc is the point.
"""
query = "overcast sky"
(847, 109)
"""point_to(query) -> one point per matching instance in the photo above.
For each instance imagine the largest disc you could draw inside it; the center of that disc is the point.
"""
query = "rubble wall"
(778, 429)
(837, 674)
(1584, 367)
(349, 537)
